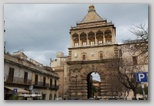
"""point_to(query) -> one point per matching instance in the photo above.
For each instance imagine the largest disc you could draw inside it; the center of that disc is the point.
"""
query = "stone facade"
(93, 48)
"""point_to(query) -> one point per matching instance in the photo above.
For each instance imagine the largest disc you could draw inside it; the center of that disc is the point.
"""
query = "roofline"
(91, 22)
(92, 27)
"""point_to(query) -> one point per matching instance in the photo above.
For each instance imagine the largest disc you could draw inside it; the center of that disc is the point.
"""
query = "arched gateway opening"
(93, 86)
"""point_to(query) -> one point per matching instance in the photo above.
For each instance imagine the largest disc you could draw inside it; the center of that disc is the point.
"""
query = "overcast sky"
(41, 30)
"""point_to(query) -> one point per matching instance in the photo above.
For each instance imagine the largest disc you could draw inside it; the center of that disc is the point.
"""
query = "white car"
(59, 98)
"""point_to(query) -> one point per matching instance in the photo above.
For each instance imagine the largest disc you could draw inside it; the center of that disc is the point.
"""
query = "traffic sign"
(15, 91)
(141, 77)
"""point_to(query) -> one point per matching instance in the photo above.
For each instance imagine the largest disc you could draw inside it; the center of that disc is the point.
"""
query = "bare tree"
(126, 76)
(122, 68)
(137, 48)
(140, 44)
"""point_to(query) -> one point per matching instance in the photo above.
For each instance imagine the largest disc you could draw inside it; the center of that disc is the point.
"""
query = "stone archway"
(86, 75)
(93, 86)
(78, 84)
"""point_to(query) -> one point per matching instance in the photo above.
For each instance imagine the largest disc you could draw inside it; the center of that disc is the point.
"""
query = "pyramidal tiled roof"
(91, 15)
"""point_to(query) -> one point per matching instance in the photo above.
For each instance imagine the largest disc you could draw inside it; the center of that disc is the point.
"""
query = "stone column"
(87, 39)
(104, 41)
(96, 42)
(79, 42)
(72, 42)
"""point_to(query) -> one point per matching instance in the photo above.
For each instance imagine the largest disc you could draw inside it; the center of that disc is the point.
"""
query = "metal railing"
(17, 80)
(54, 87)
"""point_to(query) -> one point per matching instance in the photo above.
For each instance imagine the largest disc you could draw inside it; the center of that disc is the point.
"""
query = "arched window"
(91, 37)
(100, 54)
(75, 38)
(108, 39)
(108, 36)
(83, 38)
(83, 57)
(107, 32)
(99, 36)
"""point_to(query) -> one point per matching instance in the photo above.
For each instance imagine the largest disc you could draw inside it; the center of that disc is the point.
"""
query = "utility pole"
(4, 41)
(142, 84)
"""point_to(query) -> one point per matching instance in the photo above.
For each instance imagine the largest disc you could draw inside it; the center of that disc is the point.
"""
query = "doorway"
(93, 85)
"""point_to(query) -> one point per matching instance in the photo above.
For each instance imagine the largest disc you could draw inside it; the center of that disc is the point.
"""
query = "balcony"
(53, 87)
(41, 85)
(95, 45)
(17, 80)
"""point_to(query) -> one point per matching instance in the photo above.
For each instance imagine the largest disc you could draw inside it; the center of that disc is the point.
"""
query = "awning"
(19, 90)
(30, 95)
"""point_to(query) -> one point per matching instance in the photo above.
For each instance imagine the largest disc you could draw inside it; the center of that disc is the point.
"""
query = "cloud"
(45, 27)
(41, 56)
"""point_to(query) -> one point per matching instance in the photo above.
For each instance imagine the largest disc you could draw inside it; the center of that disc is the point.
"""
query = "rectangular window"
(11, 74)
(92, 43)
(44, 81)
(108, 41)
(50, 82)
(50, 97)
(134, 60)
(43, 96)
(76, 44)
(25, 77)
(101, 56)
(36, 79)
(55, 83)
(99, 42)
(83, 57)
(84, 43)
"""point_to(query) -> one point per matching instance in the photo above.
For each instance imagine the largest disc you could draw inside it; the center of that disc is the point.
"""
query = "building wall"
(58, 62)
(92, 53)
(18, 73)
(20, 66)
(142, 63)
(58, 66)
(60, 73)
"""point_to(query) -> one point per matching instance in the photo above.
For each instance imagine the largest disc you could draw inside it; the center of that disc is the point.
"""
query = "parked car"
(112, 98)
(59, 98)
(73, 98)
(91, 98)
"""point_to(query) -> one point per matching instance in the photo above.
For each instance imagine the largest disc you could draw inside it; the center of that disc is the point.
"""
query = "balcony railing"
(17, 80)
(41, 84)
(102, 44)
(53, 87)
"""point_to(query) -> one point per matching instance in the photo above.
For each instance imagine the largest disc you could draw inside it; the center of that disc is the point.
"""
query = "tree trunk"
(134, 91)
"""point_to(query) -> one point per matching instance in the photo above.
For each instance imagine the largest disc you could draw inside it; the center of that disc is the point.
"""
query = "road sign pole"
(142, 84)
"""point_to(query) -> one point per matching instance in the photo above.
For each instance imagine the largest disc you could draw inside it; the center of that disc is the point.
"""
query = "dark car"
(112, 98)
